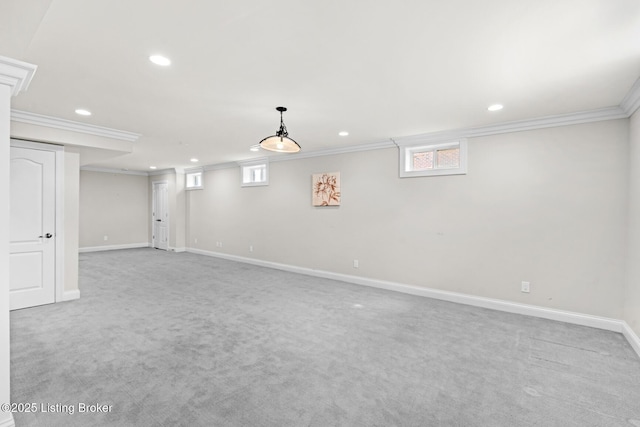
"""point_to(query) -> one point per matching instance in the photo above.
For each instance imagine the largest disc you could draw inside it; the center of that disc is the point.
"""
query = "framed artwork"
(326, 189)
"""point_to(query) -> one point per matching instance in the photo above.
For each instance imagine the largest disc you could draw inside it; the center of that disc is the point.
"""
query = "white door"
(161, 215)
(32, 245)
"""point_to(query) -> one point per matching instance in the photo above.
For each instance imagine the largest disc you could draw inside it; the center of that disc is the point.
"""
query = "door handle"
(159, 220)
(48, 236)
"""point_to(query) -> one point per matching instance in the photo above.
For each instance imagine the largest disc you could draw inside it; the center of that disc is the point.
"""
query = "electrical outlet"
(106, 238)
(526, 287)
(356, 264)
(195, 240)
(250, 248)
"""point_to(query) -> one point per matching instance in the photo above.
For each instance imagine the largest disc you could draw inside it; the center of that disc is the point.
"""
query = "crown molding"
(109, 170)
(168, 171)
(631, 101)
(610, 113)
(333, 151)
(16, 74)
(218, 166)
(70, 125)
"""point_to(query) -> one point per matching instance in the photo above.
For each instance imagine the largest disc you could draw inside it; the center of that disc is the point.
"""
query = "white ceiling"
(376, 68)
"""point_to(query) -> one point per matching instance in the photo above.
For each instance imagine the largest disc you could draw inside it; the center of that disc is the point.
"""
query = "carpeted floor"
(172, 339)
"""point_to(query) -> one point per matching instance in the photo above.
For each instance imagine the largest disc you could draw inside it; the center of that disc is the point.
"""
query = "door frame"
(153, 207)
(59, 208)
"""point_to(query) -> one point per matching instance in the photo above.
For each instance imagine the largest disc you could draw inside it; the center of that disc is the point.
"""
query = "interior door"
(161, 215)
(32, 248)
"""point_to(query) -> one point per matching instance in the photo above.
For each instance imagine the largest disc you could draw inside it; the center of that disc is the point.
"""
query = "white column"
(15, 76)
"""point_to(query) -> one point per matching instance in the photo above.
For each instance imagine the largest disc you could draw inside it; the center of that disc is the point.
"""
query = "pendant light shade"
(280, 142)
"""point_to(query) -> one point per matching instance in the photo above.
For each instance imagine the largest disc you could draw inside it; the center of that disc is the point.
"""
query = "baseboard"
(7, 422)
(177, 249)
(113, 248)
(631, 336)
(494, 304)
(71, 295)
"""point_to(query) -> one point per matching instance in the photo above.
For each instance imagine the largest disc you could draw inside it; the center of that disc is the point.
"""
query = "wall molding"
(72, 126)
(109, 170)
(71, 295)
(114, 247)
(9, 422)
(611, 113)
(172, 249)
(581, 319)
(631, 101)
(16, 74)
(631, 336)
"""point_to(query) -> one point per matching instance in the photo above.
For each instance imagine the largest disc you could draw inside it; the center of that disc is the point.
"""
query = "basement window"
(194, 179)
(446, 158)
(254, 173)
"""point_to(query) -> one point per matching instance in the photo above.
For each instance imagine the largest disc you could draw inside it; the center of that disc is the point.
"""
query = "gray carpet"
(185, 340)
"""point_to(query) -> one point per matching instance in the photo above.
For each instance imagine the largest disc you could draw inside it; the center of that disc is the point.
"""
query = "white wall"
(5, 113)
(632, 292)
(71, 220)
(547, 206)
(113, 205)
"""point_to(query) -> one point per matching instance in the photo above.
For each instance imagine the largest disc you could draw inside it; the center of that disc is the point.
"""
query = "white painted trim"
(109, 170)
(9, 422)
(32, 145)
(494, 304)
(631, 101)
(611, 113)
(114, 247)
(72, 126)
(332, 151)
(227, 165)
(71, 295)
(16, 74)
(172, 249)
(631, 336)
(162, 172)
(60, 231)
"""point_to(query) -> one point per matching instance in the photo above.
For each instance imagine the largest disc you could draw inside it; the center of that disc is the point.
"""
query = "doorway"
(35, 242)
(160, 215)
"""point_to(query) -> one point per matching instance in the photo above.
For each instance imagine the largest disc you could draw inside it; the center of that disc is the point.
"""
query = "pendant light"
(280, 142)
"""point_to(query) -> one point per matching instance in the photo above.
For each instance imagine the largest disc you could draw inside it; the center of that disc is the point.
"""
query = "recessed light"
(152, 167)
(343, 133)
(495, 107)
(160, 60)
(254, 148)
(194, 160)
(83, 112)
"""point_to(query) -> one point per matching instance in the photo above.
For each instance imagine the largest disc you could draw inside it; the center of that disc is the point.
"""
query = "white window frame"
(407, 152)
(246, 167)
(193, 172)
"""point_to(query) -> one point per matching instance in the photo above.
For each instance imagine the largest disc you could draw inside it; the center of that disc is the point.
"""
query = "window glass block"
(423, 161)
(448, 158)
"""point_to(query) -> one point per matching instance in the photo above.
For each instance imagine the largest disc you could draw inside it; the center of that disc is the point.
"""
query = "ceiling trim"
(332, 151)
(218, 166)
(109, 170)
(16, 74)
(631, 102)
(70, 125)
(610, 113)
